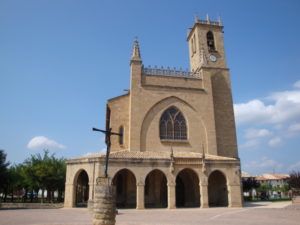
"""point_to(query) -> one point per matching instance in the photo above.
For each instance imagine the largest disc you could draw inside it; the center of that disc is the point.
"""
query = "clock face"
(212, 58)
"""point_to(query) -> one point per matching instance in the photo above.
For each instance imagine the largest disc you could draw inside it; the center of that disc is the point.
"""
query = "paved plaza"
(256, 213)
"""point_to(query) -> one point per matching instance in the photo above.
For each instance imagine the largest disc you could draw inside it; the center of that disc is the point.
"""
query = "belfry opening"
(125, 183)
(82, 189)
(187, 189)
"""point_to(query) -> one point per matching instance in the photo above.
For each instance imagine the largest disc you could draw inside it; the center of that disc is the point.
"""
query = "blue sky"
(61, 60)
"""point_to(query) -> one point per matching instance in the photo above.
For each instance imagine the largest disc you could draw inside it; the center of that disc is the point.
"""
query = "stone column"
(90, 205)
(171, 196)
(204, 195)
(69, 196)
(140, 196)
(234, 195)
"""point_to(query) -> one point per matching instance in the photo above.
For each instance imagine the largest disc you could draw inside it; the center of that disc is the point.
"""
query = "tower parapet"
(208, 21)
(170, 72)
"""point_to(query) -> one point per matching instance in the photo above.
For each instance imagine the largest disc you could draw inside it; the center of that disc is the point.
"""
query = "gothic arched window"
(210, 41)
(172, 125)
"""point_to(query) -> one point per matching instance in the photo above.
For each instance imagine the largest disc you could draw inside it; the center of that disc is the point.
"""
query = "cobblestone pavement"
(257, 213)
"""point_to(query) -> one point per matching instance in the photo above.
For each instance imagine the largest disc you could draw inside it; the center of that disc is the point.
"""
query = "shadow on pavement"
(249, 205)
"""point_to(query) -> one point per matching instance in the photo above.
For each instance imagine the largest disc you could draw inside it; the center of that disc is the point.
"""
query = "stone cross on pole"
(108, 134)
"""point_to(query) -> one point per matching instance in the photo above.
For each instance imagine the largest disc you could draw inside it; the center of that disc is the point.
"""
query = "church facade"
(178, 146)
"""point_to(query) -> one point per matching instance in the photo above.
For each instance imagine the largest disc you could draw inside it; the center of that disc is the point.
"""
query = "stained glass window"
(172, 125)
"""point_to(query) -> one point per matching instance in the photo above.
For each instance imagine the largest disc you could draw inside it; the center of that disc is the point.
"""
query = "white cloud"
(263, 165)
(251, 144)
(256, 133)
(90, 153)
(275, 142)
(294, 127)
(297, 84)
(252, 111)
(294, 167)
(285, 108)
(103, 150)
(41, 142)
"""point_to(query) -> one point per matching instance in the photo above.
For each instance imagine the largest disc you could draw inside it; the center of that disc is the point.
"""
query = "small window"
(121, 137)
(172, 125)
(210, 41)
(194, 44)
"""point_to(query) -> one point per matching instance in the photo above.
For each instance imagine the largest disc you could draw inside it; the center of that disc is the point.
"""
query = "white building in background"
(275, 181)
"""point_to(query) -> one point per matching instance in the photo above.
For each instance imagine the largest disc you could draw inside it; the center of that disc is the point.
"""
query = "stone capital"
(171, 184)
(140, 183)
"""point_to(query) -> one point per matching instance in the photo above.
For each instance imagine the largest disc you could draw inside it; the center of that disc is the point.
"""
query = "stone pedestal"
(104, 203)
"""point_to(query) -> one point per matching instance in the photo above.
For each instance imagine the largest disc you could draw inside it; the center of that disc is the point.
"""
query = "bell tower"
(207, 57)
(206, 45)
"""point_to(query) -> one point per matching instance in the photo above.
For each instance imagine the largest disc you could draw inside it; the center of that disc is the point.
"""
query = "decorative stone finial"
(136, 55)
(219, 20)
(207, 18)
(196, 18)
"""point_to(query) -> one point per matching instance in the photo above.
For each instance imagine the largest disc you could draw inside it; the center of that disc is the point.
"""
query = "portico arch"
(187, 189)
(125, 183)
(217, 189)
(156, 192)
(81, 189)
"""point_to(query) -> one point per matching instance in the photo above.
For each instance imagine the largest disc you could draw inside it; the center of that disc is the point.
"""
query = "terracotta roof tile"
(126, 154)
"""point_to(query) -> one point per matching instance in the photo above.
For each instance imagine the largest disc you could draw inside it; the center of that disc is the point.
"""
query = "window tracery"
(172, 125)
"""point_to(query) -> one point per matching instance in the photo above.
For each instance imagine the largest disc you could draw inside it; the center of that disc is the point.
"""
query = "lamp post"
(105, 202)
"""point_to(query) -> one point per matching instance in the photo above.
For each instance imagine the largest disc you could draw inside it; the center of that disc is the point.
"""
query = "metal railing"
(170, 72)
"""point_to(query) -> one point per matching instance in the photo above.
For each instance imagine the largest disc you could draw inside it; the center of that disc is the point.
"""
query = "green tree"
(14, 180)
(249, 184)
(46, 173)
(38, 172)
(294, 181)
(285, 188)
(3, 173)
(264, 190)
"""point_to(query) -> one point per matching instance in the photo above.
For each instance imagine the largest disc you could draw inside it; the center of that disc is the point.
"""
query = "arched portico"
(156, 192)
(217, 189)
(125, 183)
(81, 189)
(187, 189)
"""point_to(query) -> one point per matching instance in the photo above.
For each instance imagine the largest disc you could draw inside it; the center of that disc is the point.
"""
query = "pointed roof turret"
(136, 55)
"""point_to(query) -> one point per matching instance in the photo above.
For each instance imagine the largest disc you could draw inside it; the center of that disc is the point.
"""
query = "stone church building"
(178, 147)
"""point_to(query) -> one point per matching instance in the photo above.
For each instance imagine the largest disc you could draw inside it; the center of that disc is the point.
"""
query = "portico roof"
(127, 154)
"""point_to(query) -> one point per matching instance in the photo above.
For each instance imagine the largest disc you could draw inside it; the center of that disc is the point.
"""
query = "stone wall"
(4, 205)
